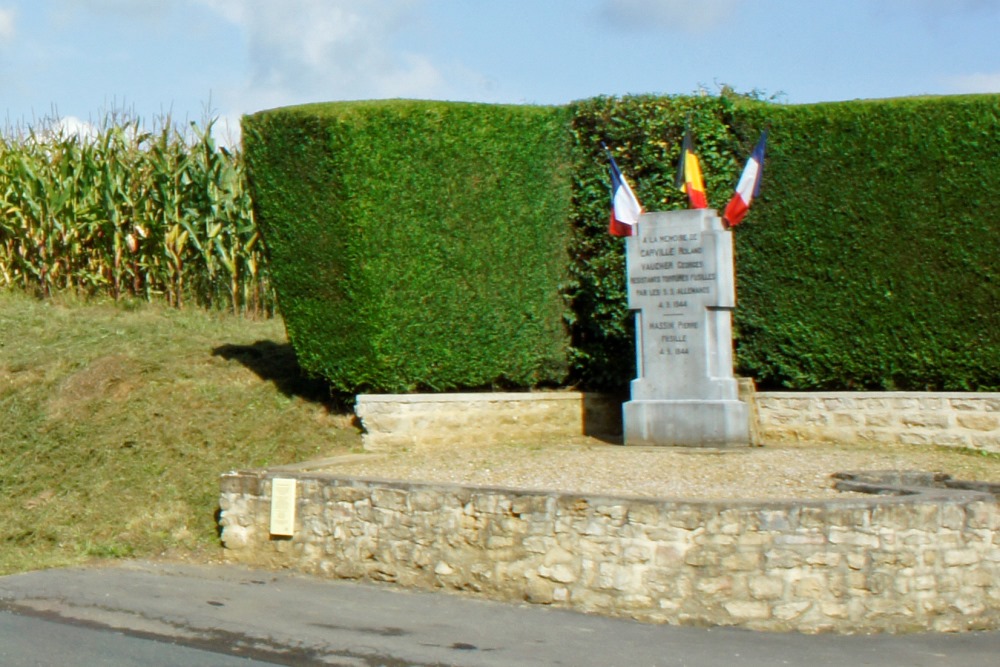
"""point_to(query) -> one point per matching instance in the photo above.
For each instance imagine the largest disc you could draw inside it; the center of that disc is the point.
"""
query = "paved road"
(142, 613)
(28, 641)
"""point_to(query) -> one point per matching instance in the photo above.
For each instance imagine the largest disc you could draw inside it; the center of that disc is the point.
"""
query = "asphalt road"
(157, 614)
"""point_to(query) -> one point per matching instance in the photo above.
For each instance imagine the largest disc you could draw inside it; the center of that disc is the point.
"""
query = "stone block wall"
(394, 421)
(924, 561)
(912, 418)
(422, 420)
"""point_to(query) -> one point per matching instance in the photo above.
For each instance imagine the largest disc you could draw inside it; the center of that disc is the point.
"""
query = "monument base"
(687, 423)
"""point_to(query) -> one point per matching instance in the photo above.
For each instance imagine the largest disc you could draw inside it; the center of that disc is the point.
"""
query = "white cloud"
(980, 82)
(7, 24)
(67, 126)
(685, 15)
(314, 50)
(71, 125)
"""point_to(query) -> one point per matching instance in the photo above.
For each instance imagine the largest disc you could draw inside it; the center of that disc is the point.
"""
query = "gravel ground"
(787, 471)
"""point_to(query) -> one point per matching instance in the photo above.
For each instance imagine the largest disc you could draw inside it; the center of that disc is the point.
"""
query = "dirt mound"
(109, 378)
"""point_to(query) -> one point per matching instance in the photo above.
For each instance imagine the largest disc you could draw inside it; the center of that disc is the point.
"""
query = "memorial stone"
(681, 285)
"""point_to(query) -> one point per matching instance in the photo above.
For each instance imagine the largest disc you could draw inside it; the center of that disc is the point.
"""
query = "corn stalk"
(130, 213)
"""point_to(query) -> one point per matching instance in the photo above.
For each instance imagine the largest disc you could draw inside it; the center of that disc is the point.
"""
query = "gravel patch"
(586, 466)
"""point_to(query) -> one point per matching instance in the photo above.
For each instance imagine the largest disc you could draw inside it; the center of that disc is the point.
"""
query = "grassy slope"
(116, 421)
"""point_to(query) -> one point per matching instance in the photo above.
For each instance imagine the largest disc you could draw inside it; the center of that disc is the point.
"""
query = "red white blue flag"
(625, 208)
(748, 187)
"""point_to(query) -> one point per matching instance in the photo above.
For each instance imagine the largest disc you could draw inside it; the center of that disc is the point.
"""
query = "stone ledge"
(392, 421)
(918, 418)
(843, 565)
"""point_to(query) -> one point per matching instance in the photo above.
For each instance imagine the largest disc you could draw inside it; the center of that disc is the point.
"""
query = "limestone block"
(560, 572)
(748, 610)
(931, 420)
(635, 554)
(983, 515)
(847, 419)
(829, 559)
(811, 587)
(389, 499)
(236, 537)
(722, 585)
(953, 557)
(743, 562)
(782, 559)
(835, 610)
(952, 517)
(644, 514)
(987, 403)
(857, 561)
(814, 538)
(880, 418)
(903, 403)
(791, 610)
(978, 421)
(764, 587)
(988, 442)
(671, 555)
(914, 438)
(845, 536)
(540, 591)
(840, 403)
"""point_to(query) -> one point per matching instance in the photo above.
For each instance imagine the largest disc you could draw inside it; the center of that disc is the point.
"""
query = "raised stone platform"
(924, 554)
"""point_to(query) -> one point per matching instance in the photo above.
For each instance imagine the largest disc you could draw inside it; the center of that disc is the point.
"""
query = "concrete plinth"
(689, 423)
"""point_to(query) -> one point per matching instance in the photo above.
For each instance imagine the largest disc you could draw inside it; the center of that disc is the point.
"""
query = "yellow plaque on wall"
(283, 507)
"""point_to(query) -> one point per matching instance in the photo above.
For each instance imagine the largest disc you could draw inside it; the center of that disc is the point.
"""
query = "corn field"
(130, 213)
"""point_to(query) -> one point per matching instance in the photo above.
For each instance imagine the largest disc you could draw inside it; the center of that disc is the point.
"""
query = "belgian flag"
(689, 178)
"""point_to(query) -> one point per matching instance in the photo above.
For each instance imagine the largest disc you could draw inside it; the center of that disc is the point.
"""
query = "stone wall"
(912, 418)
(923, 561)
(393, 421)
(420, 420)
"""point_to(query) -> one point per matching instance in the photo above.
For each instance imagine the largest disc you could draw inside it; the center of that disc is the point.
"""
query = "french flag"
(749, 185)
(625, 208)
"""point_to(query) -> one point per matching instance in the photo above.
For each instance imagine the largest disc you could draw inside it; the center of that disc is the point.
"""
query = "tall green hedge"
(872, 259)
(424, 245)
(417, 245)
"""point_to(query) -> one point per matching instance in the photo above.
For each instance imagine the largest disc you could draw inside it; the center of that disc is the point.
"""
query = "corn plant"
(147, 214)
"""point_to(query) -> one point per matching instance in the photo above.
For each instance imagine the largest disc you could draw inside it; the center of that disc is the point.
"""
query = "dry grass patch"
(116, 421)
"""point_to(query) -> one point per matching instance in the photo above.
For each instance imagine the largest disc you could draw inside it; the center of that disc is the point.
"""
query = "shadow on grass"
(277, 363)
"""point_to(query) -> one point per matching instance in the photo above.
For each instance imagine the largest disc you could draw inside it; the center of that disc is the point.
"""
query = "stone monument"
(681, 285)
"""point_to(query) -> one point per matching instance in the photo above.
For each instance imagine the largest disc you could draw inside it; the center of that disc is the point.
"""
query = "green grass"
(116, 421)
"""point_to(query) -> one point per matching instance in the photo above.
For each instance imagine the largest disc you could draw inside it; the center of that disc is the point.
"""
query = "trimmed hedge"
(872, 259)
(423, 245)
(417, 245)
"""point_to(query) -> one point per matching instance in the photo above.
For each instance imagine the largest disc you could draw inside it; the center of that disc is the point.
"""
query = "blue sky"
(77, 59)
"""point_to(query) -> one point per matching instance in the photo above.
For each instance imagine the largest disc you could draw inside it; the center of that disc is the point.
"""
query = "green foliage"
(129, 213)
(870, 260)
(644, 133)
(417, 245)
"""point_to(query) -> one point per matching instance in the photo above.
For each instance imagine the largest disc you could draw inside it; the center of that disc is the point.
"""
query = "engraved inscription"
(671, 285)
